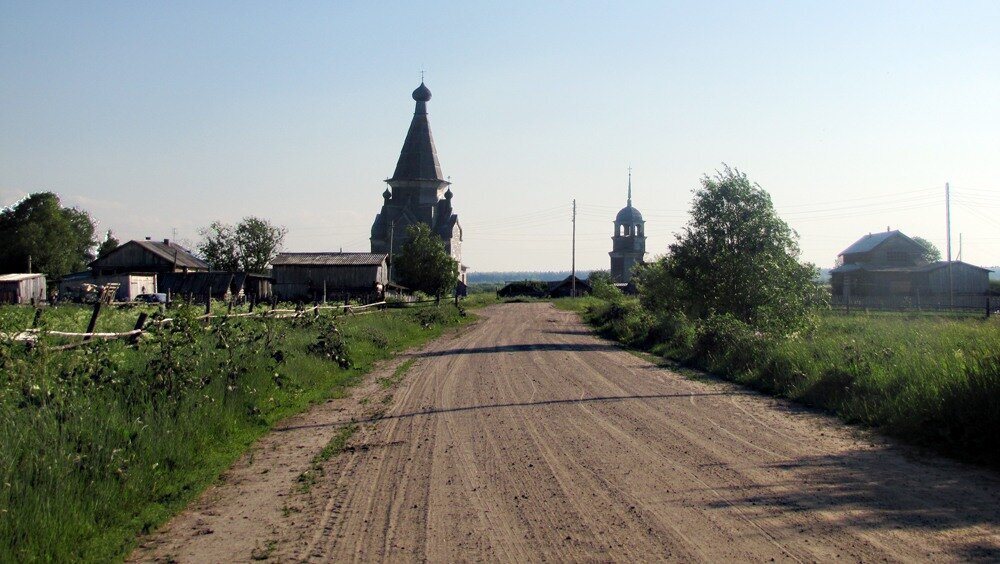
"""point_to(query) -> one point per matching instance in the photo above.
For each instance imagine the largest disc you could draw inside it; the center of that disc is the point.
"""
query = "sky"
(161, 117)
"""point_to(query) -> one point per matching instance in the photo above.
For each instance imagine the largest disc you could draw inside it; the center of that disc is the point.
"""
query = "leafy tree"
(248, 246)
(109, 244)
(58, 240)
(602, 286)
(930, 252)
(423, 263)
(258, 242)
(735, 257)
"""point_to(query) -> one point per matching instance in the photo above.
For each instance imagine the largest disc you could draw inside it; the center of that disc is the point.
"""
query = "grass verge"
(932, 381)
(102, 443)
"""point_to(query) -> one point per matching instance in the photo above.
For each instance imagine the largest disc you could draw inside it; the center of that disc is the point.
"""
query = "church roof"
(418, 160)
(629, 215)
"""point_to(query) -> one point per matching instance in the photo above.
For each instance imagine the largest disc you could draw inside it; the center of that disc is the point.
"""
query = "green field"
(101, 443)
(931, 380)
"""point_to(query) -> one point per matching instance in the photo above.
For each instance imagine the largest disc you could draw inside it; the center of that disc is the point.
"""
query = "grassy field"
(103, 442)
(934, 381)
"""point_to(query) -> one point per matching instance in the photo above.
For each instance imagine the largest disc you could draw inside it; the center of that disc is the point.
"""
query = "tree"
(602, 285)
(423, 263)
(109, 244)
(249, 246)
(930, 252)
(53, 239)
(735, 257)
(258, 242)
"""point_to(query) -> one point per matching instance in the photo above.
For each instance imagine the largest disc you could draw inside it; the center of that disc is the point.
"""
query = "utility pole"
(947, 211)
(572, 291)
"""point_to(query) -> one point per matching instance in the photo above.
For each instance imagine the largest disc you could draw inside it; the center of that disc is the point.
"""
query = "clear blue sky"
(163, 116)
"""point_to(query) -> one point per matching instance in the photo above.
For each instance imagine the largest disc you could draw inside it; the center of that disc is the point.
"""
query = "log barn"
(148, 256)
(311, 276)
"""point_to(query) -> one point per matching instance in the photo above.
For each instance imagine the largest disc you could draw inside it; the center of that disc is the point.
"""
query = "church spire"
(629, 187)
(418, 160)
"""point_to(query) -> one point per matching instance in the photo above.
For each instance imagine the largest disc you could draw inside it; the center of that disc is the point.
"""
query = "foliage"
(930, 252)
(101, 443)
(58, 240)
(423, 264)
(602, 286)
(109, 244)
(735, 257)
(248, 246)
(931, 380)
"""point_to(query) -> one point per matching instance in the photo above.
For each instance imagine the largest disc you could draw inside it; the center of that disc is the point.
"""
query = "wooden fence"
(973, 305)
(142, 325)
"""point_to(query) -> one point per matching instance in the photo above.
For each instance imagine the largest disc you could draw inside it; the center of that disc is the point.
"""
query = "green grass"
(101, 443)
(933, 381)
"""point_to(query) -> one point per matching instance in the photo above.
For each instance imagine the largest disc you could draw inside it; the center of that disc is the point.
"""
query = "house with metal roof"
(892, 264)
(333, 276)
(148, 257)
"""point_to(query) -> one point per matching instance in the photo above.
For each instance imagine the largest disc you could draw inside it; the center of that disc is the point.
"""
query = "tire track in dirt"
(526, 438)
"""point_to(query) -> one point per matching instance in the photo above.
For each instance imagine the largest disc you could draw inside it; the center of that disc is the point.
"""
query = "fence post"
(93, 319)
(208, 302)
(987, 307)
(38, 314)
(139, 325)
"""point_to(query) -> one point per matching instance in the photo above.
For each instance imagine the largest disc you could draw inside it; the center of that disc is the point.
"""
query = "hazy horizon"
(163, 118)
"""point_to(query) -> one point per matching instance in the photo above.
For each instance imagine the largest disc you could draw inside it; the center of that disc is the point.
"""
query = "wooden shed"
(221, 284)
(79, 285)
(313, 276)
(22, 288)
(148, 256)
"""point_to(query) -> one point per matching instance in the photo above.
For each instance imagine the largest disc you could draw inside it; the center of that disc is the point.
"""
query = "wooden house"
(22, 288)
(149, 257)
(891, 264)
(539, 289)
(313, 276)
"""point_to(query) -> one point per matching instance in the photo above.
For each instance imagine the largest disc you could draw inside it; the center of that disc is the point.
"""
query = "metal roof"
(172, 252)
(872, 240)
(854, 267)
(329, 259)
(18, 277)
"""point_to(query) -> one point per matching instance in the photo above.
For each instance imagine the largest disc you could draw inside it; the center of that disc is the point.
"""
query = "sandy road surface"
(525, 438)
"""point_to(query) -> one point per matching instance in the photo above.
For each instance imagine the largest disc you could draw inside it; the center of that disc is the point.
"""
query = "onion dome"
(448, 194)
(387, 194)
(422, 93)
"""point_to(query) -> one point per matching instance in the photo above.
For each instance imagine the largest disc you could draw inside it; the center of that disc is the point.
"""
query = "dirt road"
(525, 438)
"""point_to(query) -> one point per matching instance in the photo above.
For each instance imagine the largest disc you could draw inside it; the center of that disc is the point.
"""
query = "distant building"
(22, 288)
(311, 276)
(79, 285)
(221, 285)
(418, 192)
(628, 245)
(148, 257)
(892, 264)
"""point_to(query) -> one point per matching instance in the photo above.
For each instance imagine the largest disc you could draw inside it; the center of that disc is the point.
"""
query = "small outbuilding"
(334, 276)
(82, 286)
(22, 288)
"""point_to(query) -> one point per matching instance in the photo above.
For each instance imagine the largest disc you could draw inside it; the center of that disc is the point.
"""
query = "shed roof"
(19, 277)
(172, 252)
(872, 240)
(329, 259)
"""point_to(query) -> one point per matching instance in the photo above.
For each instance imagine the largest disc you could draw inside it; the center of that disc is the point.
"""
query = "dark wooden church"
(418, 192)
